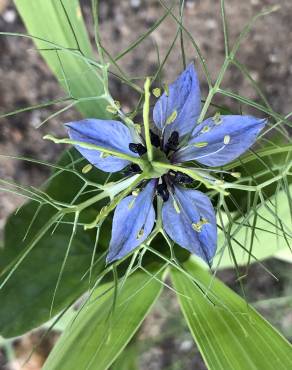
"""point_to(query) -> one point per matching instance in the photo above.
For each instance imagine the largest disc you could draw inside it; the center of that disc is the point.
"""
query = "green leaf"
(63, 26)
(230, 334)
(99, 334)
(268, 239)
(27, 296)
(127, 360)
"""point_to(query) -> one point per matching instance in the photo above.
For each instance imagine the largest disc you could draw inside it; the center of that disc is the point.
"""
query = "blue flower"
(188, 216)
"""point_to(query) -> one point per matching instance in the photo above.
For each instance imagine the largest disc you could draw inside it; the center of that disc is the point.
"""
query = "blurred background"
(164, 341)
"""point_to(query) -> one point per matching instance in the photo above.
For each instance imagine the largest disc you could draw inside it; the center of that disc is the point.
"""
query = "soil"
(25, 80)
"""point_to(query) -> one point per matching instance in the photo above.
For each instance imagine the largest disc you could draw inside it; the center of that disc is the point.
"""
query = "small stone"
(186, 345)
(135, 3)
(9, 16)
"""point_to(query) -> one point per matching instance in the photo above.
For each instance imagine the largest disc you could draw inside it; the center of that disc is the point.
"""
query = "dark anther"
(163, 191)
(131, 169)
(183, 178)
(135, 168)
(155, 140)
(137, 148)
(172, 142)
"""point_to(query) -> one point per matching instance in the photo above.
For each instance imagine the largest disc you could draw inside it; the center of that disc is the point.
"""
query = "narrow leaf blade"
(97, 336)
(61, 23)
(229, 333)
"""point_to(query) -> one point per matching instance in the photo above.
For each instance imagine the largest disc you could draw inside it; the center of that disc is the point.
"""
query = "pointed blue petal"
(184, 98)
(189, 219)
(109, 134)
(133, 221)
(225, 139)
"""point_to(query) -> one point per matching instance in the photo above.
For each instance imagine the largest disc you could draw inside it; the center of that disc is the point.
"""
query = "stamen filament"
(207, 155)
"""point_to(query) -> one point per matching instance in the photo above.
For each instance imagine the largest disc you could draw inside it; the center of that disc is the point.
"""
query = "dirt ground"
(25, 80)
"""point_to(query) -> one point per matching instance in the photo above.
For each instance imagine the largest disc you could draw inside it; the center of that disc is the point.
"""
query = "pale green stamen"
(171, 118)
(226, 139)
(86, 168)
(205, 129)
(138, 128)
(136, 192)
(197, 226)
(200, 145)
(156, 92)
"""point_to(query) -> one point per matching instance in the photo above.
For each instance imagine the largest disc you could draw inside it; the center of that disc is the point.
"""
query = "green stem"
(79, 207)
(261, 153)
(229, 56)
(146, 110)
(95, 147)
(213, 90)
(254, 187)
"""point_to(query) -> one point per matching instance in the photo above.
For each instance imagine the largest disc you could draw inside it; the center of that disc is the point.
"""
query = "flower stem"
(213, 90)
(146, 109)
(95, 147)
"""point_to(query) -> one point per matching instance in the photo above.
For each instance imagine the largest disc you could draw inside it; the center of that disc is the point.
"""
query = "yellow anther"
(217, 119)
(131, 204)
(200, 145)
(206, 129)
(136, 192)
(156, 92)
(204, 221)
(237, 175)
(176, 206)
(103, 155)
(197, 226)
(166, 89)
(171, 118)
(138, 128)
(140, 233)
(87, 168)
(226, 139)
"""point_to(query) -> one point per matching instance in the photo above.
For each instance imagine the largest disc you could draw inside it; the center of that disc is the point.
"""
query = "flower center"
(160, 154)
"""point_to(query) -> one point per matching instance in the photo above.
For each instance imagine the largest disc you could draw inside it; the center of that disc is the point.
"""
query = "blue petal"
(225, 139)
(185, 211)
(184, 98)
(133, 221)
(108, 134)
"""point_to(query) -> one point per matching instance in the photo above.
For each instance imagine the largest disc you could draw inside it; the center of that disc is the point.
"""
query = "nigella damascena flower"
(188, 216)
